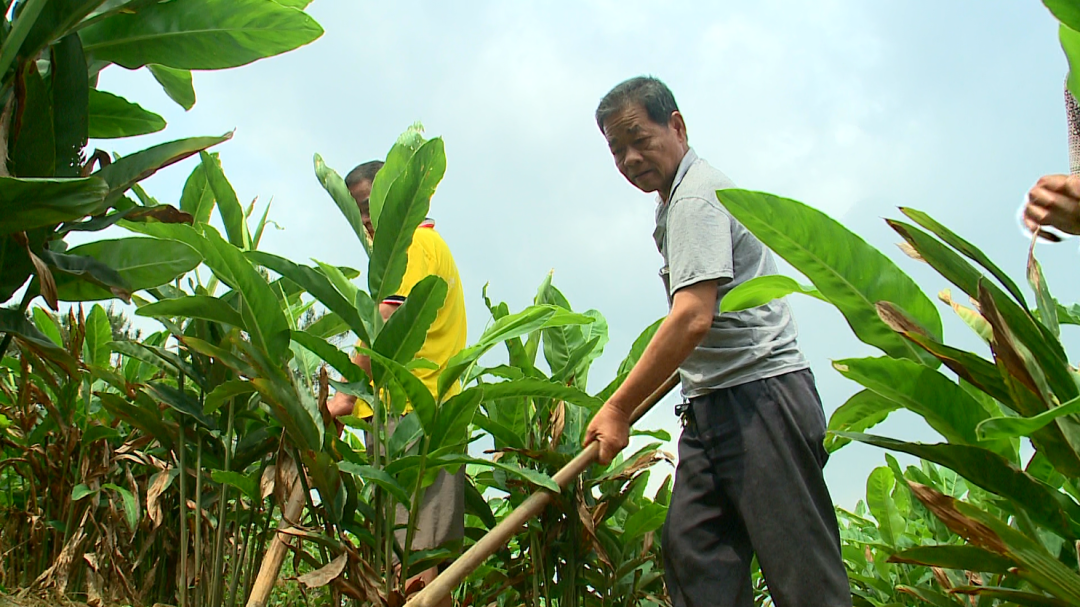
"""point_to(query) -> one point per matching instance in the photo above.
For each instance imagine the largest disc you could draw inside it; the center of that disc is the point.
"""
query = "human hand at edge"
(1054, 201)
(611, 428)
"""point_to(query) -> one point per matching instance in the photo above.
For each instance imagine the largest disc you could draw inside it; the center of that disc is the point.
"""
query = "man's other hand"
(1055, 202)
(611, 428)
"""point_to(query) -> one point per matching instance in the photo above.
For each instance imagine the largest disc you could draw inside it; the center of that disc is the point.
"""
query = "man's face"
(646, 153)
(361, 192)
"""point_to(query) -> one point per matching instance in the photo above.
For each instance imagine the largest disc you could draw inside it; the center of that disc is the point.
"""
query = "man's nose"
(632, 157)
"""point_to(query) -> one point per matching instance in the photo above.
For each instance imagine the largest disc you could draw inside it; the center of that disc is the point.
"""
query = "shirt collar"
(687, 161)
(427, 223)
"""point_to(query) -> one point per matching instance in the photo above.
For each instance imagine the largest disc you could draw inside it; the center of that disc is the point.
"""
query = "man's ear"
(676, 122)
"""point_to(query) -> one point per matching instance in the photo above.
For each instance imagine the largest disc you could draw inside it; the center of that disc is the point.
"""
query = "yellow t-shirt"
(429, 255)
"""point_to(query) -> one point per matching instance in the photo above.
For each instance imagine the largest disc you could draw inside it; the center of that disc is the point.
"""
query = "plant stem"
(183, 520)
(217, 588)
(198, 520)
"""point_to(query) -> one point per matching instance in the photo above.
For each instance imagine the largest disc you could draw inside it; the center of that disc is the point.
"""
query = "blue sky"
(852, 107)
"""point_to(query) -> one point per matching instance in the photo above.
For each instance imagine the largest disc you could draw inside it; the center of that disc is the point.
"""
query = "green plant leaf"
(80, 491)
(47, 324)
(995, 474)
(851, 274)
(406, 330)
(16, 323)
(142, 263)
(20, 29)
(131, 509)
(197, 198)
(111, 116)
(339, 193)
(966, 558)
(70, 101)
(232, 214)
(861, 412)
(452, 418)
(224, 392)
(763, 289)
(98, 337)
(648, 518)
(1010, 427)
(533, 387)
(318, 285)
(199, 35)
(417, 393)
(194, 306)
(1065, 11)
(879, 488)
(378, 477)
(334, 357)
(406, 206)
(87, 269)
(177, 84)
(249, 486)
(26, 204)
(1045, 302)
(397, 161)
(1010, 596)
(181, 401)
(941, 402)
(533, 476)
(147, 419)
(1070, 44)
(129, 170)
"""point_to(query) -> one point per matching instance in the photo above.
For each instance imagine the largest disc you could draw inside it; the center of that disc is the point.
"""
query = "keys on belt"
(684, 413)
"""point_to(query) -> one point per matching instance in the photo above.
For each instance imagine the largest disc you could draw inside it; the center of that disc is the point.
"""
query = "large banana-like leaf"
(111, 116)
(964, 558)
(406, 329)
(397, 161)
(864, 410)
(334, 357)
(194, 306)
(199, 34)
(15, 323)
(534, 387)
(232, 214)
(197, 198)
(142, 263)
(129, 170)
(318, 285)
(70, 100)
(176, 83)
(941, 402)
(988, 470)
(406, 205)
(847, 271)
(419, 396)
(87, 269)
(98, 337)
(339, 193)
(1008, 427)
(879, 488)
(26, 204)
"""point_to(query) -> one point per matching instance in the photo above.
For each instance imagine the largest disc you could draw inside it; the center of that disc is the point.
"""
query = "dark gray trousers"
(749, 481)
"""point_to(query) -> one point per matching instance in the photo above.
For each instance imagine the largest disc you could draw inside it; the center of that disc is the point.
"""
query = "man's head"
(359, 182)
(645, 131)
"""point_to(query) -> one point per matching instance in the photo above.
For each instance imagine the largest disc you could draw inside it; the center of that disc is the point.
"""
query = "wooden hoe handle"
(448, 580)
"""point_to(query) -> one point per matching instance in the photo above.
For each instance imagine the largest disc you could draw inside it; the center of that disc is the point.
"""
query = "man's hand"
(1054, 201)
(611, 428)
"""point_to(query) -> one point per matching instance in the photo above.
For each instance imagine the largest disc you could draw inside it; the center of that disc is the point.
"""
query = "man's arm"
(1054, 201)
(341, 403)
(692, 310)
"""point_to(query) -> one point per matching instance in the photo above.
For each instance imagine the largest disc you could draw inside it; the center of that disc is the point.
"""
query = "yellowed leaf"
(323, 576)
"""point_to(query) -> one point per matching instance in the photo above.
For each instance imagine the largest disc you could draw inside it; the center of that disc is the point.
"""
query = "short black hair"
(363, 172)
(648, 91)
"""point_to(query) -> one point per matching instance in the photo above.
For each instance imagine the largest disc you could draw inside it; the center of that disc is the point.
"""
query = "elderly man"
(441, 521)
(749, 478)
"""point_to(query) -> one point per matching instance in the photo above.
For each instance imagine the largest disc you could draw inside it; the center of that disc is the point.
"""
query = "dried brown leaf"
(266, 483)
(558, 423)
(324, 575)
(153, 496)
(897, 319)
(910, 251)
(944, 507)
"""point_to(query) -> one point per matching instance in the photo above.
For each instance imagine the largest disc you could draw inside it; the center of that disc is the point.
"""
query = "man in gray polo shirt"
(749, 479)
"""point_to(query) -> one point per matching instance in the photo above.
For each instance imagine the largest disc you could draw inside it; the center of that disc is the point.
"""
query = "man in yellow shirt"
(441, 522)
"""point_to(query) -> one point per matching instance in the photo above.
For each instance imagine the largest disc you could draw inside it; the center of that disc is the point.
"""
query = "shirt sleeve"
(698, 243)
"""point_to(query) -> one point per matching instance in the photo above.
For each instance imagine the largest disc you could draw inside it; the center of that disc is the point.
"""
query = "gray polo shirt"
(699, 241)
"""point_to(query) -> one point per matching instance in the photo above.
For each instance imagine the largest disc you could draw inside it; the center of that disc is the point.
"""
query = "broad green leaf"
(419, 396)
(378, 477)
(507, 327)
(879, 488)
(397, 161)
(87, 269)
(148, 419)
(47, 325)
(1009, 427)
(181, 401)
(199, 34)
(26, 204)
(970, 367)
(502, 435)
(131, 509)
(1046, 303)
(14, 322)
(636, 350)
(339, 193)
(98, 337)
(964, 558)
(318, 285)
(848, 272)
(861, 412)
(111, 116)
(476, 505)
(329, 325)
(1070, 44)
(295, 409)
(70, 100)
(177, 84)
(1046, 349)
(197, 198)
(143, 263)
(941, 402)
(995, 474)
(763, 289)
(966, 249)
(406, 330)
(533, 387)
(452, 418)
(249, 486)
(533, 476)
(194, 306)
(80, 491)
(224, 392)
(1008, 596)
(126, 171)
(406, 206)
(334, 357)
(341, 282)
(20, 29)
(232, 214)
(649, 518)
(1066, 12)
